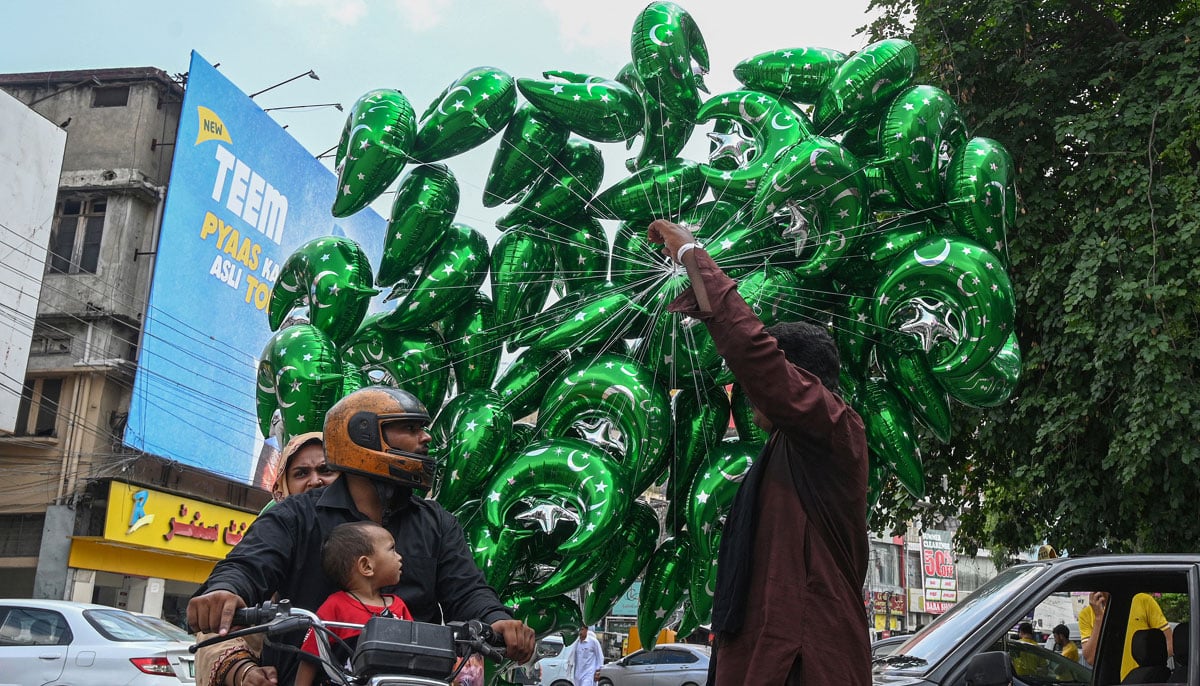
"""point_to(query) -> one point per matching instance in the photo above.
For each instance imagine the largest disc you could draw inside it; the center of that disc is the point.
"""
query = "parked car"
(973, 637)
(551, 669)
(669, 664)
(58, 641)
(886, 646)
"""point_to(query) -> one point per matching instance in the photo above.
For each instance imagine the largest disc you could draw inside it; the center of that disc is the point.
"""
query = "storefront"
(156, 550)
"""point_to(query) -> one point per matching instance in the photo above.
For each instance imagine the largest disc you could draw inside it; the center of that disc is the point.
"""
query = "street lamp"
(310, 74)
(335, 105)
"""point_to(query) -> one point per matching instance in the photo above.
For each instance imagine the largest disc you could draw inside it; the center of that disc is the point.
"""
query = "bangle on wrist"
(684, 249)
(239, 675)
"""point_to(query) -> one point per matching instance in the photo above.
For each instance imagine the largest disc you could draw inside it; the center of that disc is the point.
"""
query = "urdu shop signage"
(153, 519)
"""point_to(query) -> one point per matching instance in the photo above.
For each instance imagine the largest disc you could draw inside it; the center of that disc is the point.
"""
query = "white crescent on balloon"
(933, 261)
(277, 398)
(447, 98)
(961, 288)
(654, 35)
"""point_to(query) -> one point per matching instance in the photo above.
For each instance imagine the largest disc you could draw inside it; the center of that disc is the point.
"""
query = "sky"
(416, 46)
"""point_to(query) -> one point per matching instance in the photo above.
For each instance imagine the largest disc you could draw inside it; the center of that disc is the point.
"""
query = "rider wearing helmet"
(377, 438)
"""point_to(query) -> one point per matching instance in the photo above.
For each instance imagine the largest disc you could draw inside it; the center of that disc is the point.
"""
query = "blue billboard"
(243, 196)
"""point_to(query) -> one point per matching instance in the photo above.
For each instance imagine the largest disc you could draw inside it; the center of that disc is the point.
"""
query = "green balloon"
(689, 622)
(522, 385)
(522, 271)
(627, 554)
(799, 74)
(954, 296)
(665, 42)
(709, 219)
(702, 586)
(991, 385)
(527, 149)
(888, 239)
(470, 438)
(522, 435)
(563, 191)
(495, 552)
(716, 483)
(658, 190)
(663, 135)
(300, 375)
(562, 470)
(472, 343)
(468, 112)
(594, 107)
(374, 147)
(743, 417)
(611, 391)
(681, 352)
(426, 202)
(920, 127)
(635, 260)
(663, 588)
(545, 615)
(773, 125)
(414, 360)
(580, 253)
(890, 435)
(449, 280)
(332, 277)
(588, 316)
(909, 373)
(701, 420)
(981, 193)
(866, 81)
(856, 334)
(822, 187)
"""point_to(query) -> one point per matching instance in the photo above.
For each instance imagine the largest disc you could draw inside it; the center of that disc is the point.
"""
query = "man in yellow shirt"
(1144, 613)
(1062, 639)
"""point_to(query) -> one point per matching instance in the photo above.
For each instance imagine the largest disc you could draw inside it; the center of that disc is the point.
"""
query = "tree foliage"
(1099, 103)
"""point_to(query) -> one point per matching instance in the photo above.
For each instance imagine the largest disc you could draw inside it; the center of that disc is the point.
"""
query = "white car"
(61, 642)
(669, 664)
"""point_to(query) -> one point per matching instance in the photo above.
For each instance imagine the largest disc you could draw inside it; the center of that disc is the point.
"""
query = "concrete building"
(64, 466)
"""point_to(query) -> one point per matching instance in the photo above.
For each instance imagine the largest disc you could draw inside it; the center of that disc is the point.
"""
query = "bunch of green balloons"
(835, 190)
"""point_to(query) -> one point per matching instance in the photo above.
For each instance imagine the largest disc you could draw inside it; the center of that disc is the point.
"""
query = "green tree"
(1099, 103)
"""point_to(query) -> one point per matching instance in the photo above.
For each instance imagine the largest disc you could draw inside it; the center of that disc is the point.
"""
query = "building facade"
(71, 489)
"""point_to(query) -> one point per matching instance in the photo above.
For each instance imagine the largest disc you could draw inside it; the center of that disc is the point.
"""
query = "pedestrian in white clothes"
(586, 657)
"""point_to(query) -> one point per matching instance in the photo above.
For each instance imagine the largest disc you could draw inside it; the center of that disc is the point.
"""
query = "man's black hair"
(811, 348)
(1061, 630)
(1025, 628)
(340, 552)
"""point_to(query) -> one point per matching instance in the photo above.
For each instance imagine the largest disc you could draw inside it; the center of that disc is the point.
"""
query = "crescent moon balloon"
(746, 115)
(777, 127)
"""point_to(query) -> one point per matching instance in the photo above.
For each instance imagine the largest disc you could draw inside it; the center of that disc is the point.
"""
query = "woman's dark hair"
(340, 552)
(811, 348)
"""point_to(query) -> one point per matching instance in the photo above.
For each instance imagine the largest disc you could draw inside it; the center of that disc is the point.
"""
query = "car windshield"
(933, 643)
(117, 625)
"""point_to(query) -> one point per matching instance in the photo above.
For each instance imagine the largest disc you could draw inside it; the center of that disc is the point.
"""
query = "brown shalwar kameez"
(804, 597)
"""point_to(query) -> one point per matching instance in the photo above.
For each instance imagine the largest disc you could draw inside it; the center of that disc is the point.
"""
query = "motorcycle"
(389, 651)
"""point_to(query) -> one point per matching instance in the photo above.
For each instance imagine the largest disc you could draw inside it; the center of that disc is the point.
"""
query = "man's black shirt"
(281, 553)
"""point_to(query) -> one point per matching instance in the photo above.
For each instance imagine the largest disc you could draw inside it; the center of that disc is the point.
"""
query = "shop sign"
(938, 571)
(153, 519)
(888, 603)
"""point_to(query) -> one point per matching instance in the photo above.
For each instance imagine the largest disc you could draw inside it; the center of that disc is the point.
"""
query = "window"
(112, 96)
(50, 344)
(27, 626)
(37, 415)
(78, 229)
